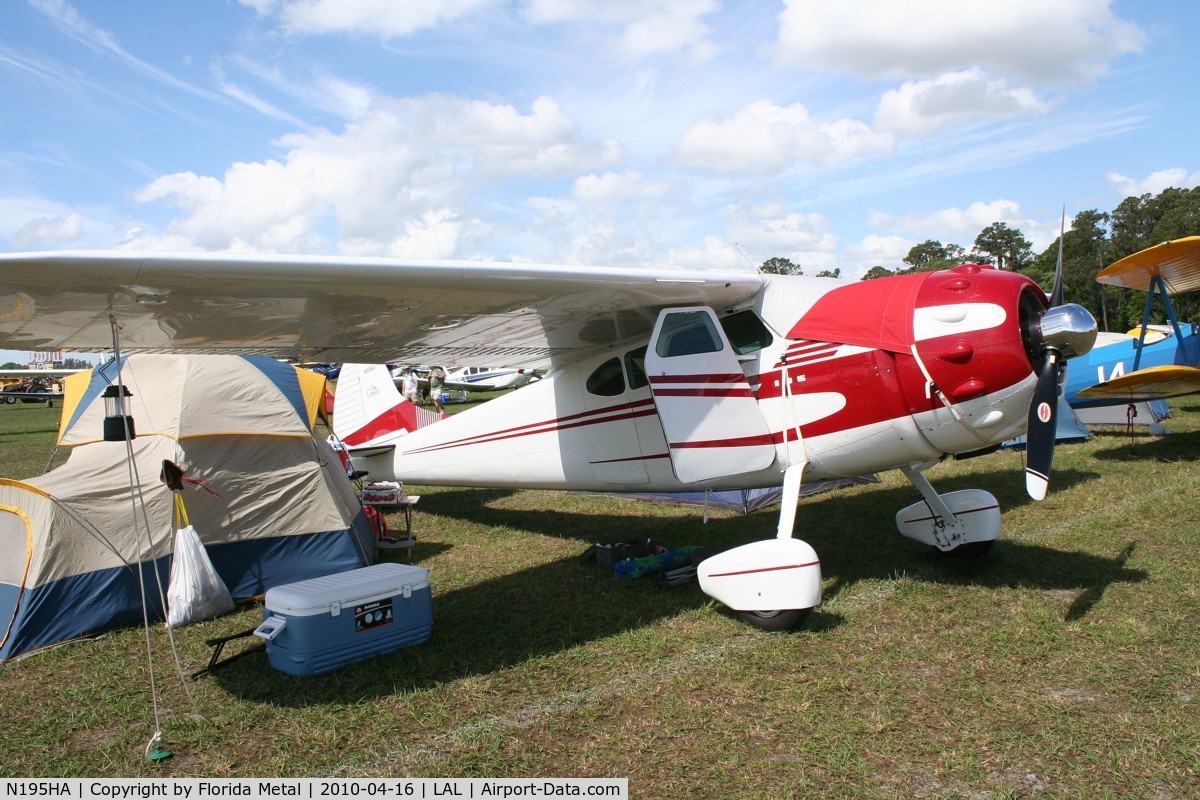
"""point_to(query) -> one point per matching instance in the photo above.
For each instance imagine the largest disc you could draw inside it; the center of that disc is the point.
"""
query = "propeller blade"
(1041, 432)
(1056, 293)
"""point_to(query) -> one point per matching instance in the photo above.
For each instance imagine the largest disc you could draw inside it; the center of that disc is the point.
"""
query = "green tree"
(1179, 215)
(1084, 246)
(877, 271)
(76, 363)
(1003, 246)
(930, 253)
(836, 272)
(780, 266)
(12, 365)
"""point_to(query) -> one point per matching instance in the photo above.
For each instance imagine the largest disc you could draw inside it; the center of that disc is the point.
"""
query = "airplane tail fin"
(368, 409)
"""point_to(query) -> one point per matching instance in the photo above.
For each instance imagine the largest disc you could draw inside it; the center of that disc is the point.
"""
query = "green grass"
(1064, 664)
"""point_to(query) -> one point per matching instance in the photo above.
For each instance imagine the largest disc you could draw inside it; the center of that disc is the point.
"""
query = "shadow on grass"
(1174, 448)
(536, 612)
(478, 630)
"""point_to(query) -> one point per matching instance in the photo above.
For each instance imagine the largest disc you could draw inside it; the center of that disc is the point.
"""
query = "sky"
(694, 134)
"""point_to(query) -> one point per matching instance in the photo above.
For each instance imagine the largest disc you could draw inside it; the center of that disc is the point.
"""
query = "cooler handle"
(271, 627)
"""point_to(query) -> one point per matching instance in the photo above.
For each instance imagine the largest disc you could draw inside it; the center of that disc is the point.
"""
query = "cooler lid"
(316, 595)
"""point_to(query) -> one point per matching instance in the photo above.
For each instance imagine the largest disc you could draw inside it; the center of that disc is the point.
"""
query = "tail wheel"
(779, 620)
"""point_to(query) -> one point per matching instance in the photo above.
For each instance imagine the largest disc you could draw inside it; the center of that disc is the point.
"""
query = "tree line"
(1095, 240)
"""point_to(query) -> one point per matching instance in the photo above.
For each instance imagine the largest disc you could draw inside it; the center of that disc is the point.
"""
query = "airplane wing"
(328, 308)
(48, 398)
(1153, 383)
(1177, 261)
(37, 373)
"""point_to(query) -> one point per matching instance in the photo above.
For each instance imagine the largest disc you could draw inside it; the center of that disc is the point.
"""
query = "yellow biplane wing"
(1177, 262)
(1153, 383)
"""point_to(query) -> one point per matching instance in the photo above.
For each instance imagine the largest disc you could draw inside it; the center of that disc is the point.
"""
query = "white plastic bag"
(196, 592)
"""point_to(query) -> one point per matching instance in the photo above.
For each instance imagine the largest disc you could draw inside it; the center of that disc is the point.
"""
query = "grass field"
(1064, 664)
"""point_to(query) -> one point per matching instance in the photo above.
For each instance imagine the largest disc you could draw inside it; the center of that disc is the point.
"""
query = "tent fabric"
(274, 507)
(226, 394)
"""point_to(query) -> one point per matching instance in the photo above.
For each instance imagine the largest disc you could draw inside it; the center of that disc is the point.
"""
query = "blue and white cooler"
(322, 624)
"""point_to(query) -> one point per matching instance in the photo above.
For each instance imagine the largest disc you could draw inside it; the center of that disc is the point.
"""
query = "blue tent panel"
(95, 602)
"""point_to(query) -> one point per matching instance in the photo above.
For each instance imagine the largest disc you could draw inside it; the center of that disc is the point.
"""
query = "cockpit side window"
(607, 380)
(746, 332)
(635, 361)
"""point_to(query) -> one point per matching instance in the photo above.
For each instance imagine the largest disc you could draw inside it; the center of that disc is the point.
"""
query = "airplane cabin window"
(607, 380)
(635, 363)
(746, 332)
(687, 333)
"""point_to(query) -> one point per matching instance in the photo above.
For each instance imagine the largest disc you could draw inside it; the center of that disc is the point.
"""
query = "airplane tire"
(10, 400)
(969, 550)
(773, 621)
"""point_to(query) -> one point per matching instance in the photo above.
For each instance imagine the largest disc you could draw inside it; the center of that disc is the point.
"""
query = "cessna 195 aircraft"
(659, 380)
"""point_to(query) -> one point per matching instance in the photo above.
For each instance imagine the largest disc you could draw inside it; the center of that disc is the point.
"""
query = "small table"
(405, 502)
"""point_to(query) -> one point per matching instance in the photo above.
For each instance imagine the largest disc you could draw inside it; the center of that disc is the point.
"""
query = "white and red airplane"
(659, 380)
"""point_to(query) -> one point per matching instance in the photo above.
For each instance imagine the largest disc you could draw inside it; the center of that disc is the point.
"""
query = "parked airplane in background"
(659, 380)
(32, 385)
(487, 379)
(1160, 361)
(472, 379)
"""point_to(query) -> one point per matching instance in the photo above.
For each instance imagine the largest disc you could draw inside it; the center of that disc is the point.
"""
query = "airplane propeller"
(1064, 330)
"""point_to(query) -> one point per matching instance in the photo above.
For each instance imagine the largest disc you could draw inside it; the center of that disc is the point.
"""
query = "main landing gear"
(775, 583)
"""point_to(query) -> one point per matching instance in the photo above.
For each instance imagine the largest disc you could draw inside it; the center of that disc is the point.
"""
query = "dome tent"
(270, 500)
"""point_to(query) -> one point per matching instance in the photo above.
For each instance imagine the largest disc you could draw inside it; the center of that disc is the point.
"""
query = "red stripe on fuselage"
(742, 441)
(733, 392)
(736, 377)
(641, 408)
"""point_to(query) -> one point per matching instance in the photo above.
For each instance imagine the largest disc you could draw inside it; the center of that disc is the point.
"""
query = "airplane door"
(710, 415)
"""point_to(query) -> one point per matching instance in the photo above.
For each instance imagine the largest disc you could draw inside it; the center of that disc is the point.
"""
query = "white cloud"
(953, 225)
(394, 180)
(48, 230)
(767, 230)
(611, 190)
(874, 250)
(437, 233)
(382, 18)
(647, 26)
(252, 100)
(262, 7)
(326, 92)
(954, 98)
(764, 138)
(1038, 41)
(1153, 183)
(71, 23)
